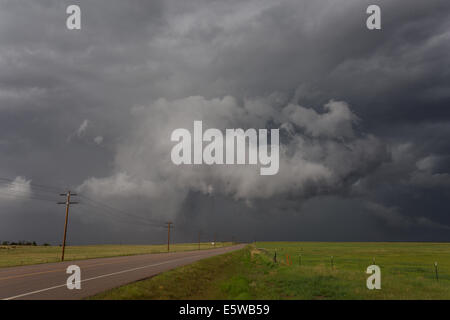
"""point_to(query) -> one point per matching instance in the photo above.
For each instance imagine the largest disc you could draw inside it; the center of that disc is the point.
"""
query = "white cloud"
(82, 129)
(19, 189)
(427, 163)
(120, 184)
(310, 161)
(336, 122)
(98, 140)
(80, 132)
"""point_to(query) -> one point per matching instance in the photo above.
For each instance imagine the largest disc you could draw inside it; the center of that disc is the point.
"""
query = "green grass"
(200, 280)
(25, 255)
(407, 272)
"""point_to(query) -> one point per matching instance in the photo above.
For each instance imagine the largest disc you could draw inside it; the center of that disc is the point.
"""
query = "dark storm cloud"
(81, 109)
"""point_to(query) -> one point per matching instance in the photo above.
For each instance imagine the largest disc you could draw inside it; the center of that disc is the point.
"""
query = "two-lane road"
(48, 281)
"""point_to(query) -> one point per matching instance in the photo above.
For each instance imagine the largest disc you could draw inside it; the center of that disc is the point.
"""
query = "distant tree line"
(22, 243)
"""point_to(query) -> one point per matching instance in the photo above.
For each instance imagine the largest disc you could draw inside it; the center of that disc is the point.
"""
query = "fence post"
(436, 270)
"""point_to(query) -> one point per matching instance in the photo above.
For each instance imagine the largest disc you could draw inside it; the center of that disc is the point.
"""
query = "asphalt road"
(48, 281)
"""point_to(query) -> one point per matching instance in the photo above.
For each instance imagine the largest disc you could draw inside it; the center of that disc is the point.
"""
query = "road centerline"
(104, 275)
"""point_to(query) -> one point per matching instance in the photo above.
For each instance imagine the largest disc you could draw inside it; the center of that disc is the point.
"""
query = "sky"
(363, 115)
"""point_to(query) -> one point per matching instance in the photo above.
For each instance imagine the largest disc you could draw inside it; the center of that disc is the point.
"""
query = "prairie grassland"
(25, 255)
(407, 272)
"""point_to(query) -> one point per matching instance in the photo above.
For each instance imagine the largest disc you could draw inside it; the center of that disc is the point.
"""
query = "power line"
(48, 188)
(41, 192)
(53, 189)
(101, 204)
(21, 196)
(119, 218)
(116, 213)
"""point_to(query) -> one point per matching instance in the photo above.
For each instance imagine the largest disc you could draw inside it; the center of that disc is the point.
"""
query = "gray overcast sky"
(364, 119)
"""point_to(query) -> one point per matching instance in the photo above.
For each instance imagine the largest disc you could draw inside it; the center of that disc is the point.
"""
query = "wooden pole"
(65, 224)
(168, 235)
(68, 194)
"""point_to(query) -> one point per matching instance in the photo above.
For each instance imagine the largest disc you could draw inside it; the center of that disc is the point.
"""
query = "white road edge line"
(98, 277)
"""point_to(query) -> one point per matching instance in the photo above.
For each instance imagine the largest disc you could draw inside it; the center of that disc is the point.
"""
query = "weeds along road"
(48, 281)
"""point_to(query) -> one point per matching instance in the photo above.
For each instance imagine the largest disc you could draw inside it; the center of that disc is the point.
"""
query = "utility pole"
(168, 234)
(199, 240)
(214, 240)
(67, 203)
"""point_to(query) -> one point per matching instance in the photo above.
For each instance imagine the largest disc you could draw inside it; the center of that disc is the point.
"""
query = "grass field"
(407, 272)
(25, 255)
